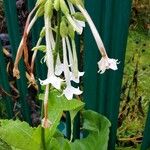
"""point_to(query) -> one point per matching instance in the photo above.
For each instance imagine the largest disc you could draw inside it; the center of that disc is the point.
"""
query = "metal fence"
(101, 92)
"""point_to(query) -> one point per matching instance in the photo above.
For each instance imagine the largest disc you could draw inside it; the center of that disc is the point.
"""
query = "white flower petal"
(107, 63)
(76, 78)
(55, 81)
(70, 91)
(113, 64)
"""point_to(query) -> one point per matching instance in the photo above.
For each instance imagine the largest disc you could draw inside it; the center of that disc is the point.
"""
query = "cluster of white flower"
(72, 17)
(70, 63)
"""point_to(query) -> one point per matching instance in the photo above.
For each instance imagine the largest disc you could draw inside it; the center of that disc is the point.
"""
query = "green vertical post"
(102, 92)
(5, 84)
(146, 139)
(14, 36)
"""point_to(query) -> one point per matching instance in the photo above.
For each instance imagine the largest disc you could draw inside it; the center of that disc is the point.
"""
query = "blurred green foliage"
(135, 95)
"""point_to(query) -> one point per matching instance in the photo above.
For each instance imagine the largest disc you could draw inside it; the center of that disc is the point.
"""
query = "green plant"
(59, 86)
(19, 135)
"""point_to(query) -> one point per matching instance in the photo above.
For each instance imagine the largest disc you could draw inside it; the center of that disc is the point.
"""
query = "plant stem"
(43, 143)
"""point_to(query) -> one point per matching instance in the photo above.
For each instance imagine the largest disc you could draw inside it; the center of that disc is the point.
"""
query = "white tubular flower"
(70, 90)
(51, 78)
(93, 29)
(107, 63)
(59, 68)
(52, 38)
(71, 62)
(55, 81)
(74, 74)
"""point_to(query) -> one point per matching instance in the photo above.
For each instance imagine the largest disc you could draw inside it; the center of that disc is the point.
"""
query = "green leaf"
(98, 128)
(79, 16)
(4, 146)
(58, 102)
(19, 135)
(98, 134)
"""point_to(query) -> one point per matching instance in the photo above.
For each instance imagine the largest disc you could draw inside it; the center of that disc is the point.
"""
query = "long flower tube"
(105, 62)
(74, 74)
(51, 78)
(69, 91)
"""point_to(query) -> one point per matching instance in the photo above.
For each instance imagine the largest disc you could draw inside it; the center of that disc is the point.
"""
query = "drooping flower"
(51, 78)
(75, 74)
(55, 81)
(107, 63)
(69, 90)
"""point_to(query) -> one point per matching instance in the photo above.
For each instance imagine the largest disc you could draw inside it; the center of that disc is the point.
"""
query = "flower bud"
(39, 2)
(57, 4)
(64, 7)
(63, 28)
(48, 8)
(42, 33)
(71, 31)
(40, 11)
(79, 16)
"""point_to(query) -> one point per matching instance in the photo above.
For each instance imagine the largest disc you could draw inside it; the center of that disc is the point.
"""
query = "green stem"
(43, 142)
(57, 45)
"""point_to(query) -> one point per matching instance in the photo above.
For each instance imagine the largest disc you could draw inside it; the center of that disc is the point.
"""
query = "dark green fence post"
(40, 68)
(146, 139)
(5, 84)
(102, 92)
(14, 36)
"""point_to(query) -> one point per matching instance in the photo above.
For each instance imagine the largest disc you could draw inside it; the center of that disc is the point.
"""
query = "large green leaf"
(58, 104)
(98, 134)
(58, 101)
(19, 135)
(98, 129)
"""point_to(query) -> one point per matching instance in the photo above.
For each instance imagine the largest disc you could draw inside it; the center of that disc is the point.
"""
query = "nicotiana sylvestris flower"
(51, 78)
(69, 91)
(74, 74)
(107, 63)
